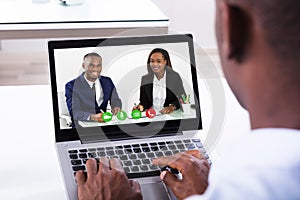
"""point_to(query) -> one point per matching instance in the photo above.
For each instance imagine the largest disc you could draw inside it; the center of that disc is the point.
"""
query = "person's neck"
(160, 75)
(274, 102)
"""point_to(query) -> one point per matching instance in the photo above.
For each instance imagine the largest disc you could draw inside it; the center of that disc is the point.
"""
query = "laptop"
(134, 140)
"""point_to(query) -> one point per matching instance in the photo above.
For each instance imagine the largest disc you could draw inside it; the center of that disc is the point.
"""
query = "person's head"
(92, 64)
(157, 61)
(259, 43)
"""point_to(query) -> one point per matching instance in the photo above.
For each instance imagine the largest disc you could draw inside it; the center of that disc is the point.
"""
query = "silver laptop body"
(134, 141)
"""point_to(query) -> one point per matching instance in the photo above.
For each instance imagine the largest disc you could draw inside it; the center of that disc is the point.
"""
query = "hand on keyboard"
(106, 180)
(194, 169)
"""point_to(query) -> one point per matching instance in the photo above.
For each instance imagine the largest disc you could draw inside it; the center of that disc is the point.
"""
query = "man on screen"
(88, 95)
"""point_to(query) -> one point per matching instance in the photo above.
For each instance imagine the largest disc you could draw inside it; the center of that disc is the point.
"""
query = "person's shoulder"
(147, 77)
(171, 72)
(72, 82)
(105, 78)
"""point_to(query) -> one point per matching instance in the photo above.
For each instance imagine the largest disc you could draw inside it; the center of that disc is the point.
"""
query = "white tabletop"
(29, 167)
(24, 15)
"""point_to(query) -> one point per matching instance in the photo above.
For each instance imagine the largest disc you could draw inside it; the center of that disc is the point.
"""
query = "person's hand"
(115, 110)
(96, 117)
(138, 107)
(194, 169)
(109, 182)
(168, 110)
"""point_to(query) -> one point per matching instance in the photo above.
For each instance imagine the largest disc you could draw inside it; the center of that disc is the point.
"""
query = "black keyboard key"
(141, 155)
(110, 153)
(76, 162)
(150, 155)
(77, 168)
(163, 148)
(84, 160)
(178, 142)
(119, 152)
(123, 157)
(196, 140)
(154, 148)
(127, 146)
(134, 168)
(170, 142)
(73, 151)
(153, 144)
(109, 148)
(161, 143)
(175, 151)
(92, 154)
(82, 155)
(137, 150)
(187, 141)
(132, 156)
(128, 151)
(126, 169)
(101, 154)
(127, 163)
(191, 146)
(144, 168)
(135, 145)
(136, 162)
(159, 154)
(153, 167)
(119, 147)
(198, 144)
(168, 153)
(146, 161)
(73, 156)
(146, 149)
(181, 146)
(83, 150)
(144, 145)
(172, 147)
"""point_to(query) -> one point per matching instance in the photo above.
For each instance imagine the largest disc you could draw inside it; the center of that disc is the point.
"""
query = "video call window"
(125, 66)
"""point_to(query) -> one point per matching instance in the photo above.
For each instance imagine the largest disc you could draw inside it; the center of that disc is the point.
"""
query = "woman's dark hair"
(165, 55)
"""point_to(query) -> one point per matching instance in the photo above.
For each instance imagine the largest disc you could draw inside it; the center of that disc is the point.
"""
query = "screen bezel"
(113, 132)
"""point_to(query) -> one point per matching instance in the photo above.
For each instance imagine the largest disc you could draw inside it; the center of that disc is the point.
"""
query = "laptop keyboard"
(136, 158)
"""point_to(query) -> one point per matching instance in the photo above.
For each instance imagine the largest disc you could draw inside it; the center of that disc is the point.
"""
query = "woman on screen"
(162, 87)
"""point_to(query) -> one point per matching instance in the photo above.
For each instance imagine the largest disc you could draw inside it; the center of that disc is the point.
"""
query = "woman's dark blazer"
(174, 89)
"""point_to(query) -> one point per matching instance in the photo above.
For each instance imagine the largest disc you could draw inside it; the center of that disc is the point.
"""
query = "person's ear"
(236, 25)
(83, 66)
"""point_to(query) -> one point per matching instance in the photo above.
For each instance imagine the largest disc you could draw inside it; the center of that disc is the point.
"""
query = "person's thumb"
(169, 179)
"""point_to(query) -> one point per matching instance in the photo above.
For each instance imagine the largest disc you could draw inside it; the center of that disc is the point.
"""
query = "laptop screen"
(125, 87)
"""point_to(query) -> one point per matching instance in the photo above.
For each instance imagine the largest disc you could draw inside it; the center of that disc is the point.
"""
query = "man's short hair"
(91, 54)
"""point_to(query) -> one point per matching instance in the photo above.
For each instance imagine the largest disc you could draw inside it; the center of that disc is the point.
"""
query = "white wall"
(194, 16)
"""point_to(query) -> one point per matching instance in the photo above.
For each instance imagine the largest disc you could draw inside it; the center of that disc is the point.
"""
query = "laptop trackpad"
(154, 191)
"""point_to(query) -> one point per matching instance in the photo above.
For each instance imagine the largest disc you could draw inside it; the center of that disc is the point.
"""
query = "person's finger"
(171, 161)
(169, 179)
(104, 163)
(91, 167)
(136, 186)
(195, 152)
(80, 178)
(116, 164)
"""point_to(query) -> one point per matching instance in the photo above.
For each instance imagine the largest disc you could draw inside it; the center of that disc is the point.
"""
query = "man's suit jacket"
(80, 98)
(174, 89)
